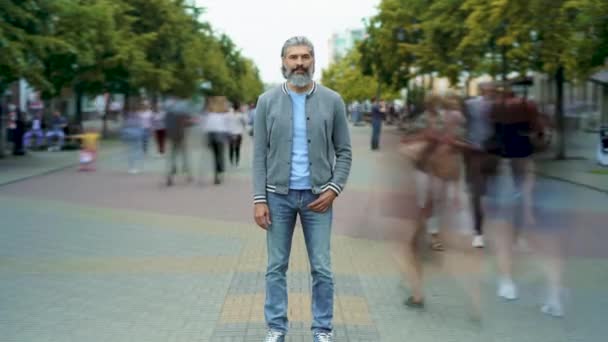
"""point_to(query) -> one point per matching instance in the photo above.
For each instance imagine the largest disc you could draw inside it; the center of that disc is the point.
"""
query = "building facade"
(341, 43)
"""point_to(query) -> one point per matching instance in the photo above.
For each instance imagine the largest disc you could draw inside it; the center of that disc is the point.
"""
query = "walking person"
(356, 109)
(479, 164)
(158, 124)
(237, 124)
(218, 133)
(132, 134)
(437, 164)
(378, 113)
(302, 159)
(145, 116)
(514, 194)
(177, 119)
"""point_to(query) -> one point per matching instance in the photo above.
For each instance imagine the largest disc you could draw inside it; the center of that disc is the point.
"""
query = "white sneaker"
(553, 305)
(554, 309)
(478, 241)
(507, 289)
(323, 337)
(274, 336)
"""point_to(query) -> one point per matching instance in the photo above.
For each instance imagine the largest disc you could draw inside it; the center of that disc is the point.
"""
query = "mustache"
(299, 68)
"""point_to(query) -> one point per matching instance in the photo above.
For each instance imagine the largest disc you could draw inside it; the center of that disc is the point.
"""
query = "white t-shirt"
(237, 123)
(145, 116)
(215, 123)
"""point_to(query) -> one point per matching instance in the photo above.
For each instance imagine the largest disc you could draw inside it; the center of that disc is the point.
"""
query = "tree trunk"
(2, 128)
(379, 90)
(126, 108)
(505, 66)
(78, 118)
(560, 120)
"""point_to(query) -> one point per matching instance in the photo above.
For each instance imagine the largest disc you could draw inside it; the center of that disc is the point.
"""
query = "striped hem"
(259, 199)
(332, 186)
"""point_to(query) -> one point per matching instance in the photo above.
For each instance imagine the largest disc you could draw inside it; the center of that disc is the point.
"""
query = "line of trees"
(462, 39)
(163, 47)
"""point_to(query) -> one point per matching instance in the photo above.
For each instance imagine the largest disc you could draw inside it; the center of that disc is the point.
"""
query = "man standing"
(302, 159)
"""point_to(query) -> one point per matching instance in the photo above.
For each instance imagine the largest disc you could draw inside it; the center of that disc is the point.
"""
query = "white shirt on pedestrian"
(145, 116)
(237, 123)
(215, 123)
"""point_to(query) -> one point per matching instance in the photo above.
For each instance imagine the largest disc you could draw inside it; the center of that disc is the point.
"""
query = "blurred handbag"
(417, 152)
(413, 150)
(444, 163)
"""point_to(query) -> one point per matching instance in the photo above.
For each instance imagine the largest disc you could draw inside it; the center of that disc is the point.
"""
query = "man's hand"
(262, 215)
(321, 204)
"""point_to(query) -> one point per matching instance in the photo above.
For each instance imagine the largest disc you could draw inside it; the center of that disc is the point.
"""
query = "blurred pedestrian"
(479, 164)
(178, 118)
(158, 124)
(218, 133)
(356, 112)
(512, 195)
(378, 115)
(132, 135)
(145, 116)
(251, 118)
(437, 134)
(237, 124)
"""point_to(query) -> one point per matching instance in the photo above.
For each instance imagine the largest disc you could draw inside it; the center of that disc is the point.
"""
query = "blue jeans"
(376, 128)
(317, 234)
(134, 153)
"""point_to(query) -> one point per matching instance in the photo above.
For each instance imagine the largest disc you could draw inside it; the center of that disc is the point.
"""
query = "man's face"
(298, 65)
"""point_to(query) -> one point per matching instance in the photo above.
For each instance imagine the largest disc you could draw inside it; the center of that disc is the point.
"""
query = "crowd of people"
(221, 123)
(301, 163)
(32, 131)
(488, 141)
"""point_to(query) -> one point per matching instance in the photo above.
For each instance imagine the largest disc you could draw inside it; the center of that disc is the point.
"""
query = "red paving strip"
(364, 214)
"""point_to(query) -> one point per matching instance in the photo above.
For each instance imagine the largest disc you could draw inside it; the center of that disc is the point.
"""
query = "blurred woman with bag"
(434, 147)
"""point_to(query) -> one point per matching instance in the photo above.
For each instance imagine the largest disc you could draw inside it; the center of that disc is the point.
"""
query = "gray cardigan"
(329, 149)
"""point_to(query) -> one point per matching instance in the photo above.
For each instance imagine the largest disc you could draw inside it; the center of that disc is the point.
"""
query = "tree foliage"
(453, 38)
(121, 46)
(346, 78)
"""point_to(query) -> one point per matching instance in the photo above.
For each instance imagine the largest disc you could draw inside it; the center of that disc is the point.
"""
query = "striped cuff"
(334, 187)
(259, 199)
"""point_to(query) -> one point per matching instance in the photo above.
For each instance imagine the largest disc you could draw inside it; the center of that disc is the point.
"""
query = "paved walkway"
(37, 163)
(581, 166)
(107, 256)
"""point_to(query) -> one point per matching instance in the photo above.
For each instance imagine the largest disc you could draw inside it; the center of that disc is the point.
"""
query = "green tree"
(345, 77)
(556, 37)
(389, 51)
(443, 23)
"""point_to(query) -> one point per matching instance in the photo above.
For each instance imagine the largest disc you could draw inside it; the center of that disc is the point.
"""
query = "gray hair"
(298, 41)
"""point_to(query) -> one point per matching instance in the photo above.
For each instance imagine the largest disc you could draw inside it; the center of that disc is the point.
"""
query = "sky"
(260, 27)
